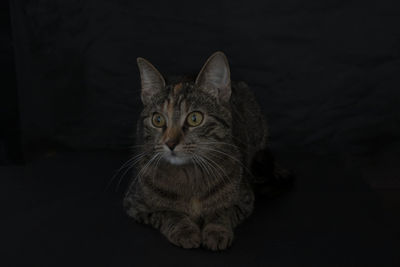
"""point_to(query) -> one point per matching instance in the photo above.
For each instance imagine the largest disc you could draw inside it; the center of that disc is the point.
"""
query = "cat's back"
(249, 125)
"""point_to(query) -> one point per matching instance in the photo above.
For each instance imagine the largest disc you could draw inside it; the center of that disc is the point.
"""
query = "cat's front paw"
(217, 237)
(186, 235)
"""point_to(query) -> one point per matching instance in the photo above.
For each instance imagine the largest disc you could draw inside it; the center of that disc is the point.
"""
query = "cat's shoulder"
(241, 91)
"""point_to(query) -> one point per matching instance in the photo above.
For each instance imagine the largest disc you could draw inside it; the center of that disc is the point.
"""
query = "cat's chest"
(195, 207)
(188, 191)
(183, 180)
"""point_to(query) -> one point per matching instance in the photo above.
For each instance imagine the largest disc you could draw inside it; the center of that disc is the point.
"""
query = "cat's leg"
(177, 227)
(136, 208)
(217, 232)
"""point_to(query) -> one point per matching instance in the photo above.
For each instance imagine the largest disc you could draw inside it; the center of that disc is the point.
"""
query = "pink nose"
(171, 144)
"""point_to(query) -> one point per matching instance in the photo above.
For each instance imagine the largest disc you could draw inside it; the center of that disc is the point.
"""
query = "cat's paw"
(138, 216)
(186, 235)
(217, 237)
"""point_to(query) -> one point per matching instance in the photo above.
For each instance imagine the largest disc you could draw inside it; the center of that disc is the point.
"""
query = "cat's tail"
(270, 179)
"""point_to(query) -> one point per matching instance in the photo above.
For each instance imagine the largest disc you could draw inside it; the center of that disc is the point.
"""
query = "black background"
(326, 73)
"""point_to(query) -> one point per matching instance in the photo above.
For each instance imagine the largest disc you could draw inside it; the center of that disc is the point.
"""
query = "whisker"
(128, 169)
(212, 163)
(156, 165)
(144, 168)
(204, 168)
(132, 160)
(229, 156)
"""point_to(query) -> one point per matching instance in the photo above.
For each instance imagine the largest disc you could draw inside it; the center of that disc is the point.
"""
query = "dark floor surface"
(57, 211)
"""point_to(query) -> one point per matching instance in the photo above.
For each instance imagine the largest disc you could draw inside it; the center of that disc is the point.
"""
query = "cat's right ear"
(215, 77)
(151, 80)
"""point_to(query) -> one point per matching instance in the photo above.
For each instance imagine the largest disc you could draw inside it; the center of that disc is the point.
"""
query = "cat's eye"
(158, 120)
(194, 118)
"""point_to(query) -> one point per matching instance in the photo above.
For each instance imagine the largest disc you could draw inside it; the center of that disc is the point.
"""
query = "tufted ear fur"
(214, 78)
(151, 79)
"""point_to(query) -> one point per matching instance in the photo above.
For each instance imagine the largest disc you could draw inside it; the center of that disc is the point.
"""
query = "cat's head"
(182, 122)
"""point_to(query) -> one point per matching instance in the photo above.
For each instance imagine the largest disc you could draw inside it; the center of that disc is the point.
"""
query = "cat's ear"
(215, 77)
(151, 79)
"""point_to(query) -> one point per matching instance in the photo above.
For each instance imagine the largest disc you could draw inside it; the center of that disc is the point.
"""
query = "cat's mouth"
(176, 158)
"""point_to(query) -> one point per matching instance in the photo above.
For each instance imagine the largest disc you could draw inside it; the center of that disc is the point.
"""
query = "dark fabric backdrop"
(10, 139)
(326, 72)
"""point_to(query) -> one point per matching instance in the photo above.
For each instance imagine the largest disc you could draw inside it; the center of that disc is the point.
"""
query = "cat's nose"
(171, 144)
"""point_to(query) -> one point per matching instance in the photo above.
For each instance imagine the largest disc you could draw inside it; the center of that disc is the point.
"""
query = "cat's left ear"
(151, 79)
(215, 77)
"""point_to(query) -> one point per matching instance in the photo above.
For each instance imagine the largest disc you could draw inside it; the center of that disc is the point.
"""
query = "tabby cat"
(199, 141)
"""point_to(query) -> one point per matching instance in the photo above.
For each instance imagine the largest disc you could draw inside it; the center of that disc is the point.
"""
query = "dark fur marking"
(216, 137)
(207, 132)
(211, 126)
(212, 191)
(160, 191)
(220, 120)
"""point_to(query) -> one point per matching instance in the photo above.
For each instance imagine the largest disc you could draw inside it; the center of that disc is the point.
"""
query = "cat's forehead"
(181, 97)
(181, 93)
(177, 93)
(178, 98)
(176, 89)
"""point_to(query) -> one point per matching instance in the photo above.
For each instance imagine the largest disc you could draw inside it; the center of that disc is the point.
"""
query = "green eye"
(194, 118)
(158, 120)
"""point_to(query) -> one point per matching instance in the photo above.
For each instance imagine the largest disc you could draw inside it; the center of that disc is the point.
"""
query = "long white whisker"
(130, 167)
(229, 156)
(132, 161)
(204, 168)
(215, 165)
(156, 165)
(144, 168)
